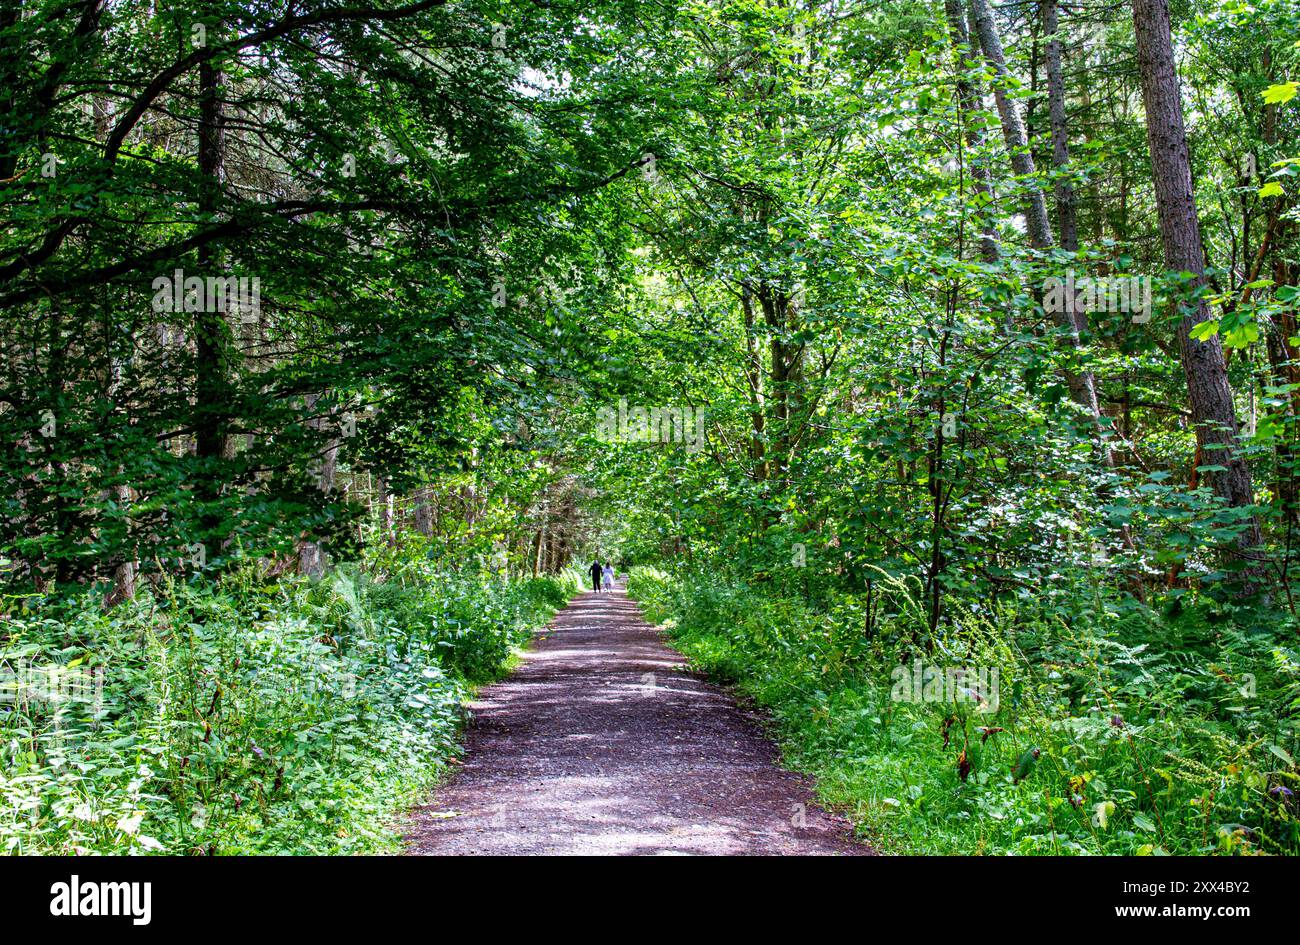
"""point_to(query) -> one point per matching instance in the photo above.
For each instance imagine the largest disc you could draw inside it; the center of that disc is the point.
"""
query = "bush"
(554, 591)
(654, 589)
(241, 716)
(1093, 742)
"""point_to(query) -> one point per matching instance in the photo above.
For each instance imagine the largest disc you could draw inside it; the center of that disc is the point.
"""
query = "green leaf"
(1278, 94)
(1101, 812)
(1143, 822)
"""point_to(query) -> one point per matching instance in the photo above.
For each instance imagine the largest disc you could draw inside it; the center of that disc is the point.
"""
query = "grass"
(1114, 730)
(245, 716)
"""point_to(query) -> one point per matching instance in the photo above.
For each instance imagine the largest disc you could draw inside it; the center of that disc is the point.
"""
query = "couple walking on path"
(602, 576)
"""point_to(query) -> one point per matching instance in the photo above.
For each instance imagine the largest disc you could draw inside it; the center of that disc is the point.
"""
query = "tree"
(1082, 384)
(1209, 392)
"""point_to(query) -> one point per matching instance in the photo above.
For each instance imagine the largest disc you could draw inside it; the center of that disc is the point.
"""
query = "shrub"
(1099, 743)
(241, 716)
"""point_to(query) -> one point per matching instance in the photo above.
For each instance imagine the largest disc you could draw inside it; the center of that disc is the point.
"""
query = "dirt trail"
(603, 742)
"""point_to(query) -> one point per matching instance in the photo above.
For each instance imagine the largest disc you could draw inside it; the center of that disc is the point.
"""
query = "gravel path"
(603, 742)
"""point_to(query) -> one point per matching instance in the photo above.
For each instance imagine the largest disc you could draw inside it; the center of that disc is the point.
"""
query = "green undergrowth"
(1109, 730)
(243, 715)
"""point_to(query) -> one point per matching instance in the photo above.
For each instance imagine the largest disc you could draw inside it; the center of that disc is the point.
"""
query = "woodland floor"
(604, 742)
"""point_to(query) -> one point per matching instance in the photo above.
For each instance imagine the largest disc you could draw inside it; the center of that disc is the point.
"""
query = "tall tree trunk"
(969, 104)
(1209, 392)
(311, 554)
(754, 387)
(125, 572)
(124, 569)
(1083, 388)
(539, 558)
(210, 324)
(1282, 362)
(1013, 128)
(423, 514)
(1066, 216)
(786, 374)
(1066, 209)
(1280, 330)
(385, 509)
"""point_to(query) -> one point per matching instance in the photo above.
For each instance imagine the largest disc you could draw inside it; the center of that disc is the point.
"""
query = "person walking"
(595, 574)
(608, 575)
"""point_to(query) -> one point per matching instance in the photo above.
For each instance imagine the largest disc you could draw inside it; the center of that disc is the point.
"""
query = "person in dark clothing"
(595, 575)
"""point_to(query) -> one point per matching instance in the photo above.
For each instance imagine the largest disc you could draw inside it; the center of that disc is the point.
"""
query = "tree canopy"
(991, 301)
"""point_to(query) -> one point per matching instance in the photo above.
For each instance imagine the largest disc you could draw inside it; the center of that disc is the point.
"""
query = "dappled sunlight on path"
(603, 742)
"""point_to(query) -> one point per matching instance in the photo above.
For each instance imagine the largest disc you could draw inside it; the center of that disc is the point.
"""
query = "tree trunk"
(423, 515)
(1209, 392)
(385, 510)
(539, 560)
(1013, 128)
(210, 326)
(754, 387)
(311, 554)
(124, 570)
(1083, 387)
(969, 104)
(1066, 216)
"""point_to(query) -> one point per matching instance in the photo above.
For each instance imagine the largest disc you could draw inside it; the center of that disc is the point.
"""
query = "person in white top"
(608, 575)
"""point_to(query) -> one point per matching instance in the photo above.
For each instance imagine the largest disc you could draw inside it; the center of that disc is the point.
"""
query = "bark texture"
(1209, 392)
(1082, 385)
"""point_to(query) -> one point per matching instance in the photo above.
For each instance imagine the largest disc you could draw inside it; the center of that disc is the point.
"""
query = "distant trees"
(371, 170)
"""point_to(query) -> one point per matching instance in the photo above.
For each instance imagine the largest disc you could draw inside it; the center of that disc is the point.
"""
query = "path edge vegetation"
(1086, 743)
(249, 715)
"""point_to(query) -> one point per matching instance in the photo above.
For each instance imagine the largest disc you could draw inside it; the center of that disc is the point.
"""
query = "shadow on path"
(603, 742)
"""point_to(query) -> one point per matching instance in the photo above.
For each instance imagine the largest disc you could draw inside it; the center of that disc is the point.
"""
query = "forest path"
(603, 742)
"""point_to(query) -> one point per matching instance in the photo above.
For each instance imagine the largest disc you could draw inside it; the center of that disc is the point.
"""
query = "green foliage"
(377, 180)
(1117, 732)
(245, 716)
(477, 225)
